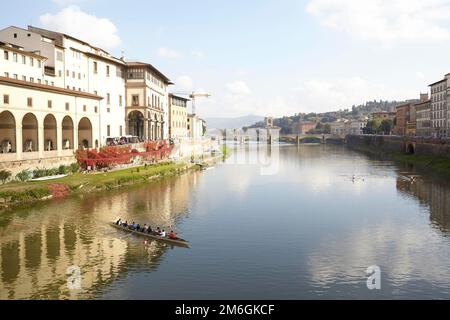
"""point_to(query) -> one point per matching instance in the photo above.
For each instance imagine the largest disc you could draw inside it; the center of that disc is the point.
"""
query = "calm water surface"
(305, 231)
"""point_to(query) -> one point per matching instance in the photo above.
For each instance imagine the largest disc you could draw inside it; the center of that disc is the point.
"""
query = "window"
(120, 100)
(6, 55)
(107, 71)
(95, 67)
(49, 104)
(108, 99)
(39, 63)
(67, 106)
(108, 110)
(59, 56)
(108, 130)
(6, 75)
(15, 57)
(95, 109)
(15, 35)
(60, 73)
(24, 60)
(120, 131)
(31, 79)
(79, 76)
(31, 62)
(30, 102)
(73, 74)
(5, 99)
(24, 78)
(84, 108)
(67, 73)
(135, 100)
(15, 76)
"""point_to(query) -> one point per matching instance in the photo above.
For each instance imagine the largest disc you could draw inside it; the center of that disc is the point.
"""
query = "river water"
(282, 223)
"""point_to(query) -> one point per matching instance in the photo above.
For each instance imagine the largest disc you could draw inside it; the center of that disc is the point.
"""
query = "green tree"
(386, 126)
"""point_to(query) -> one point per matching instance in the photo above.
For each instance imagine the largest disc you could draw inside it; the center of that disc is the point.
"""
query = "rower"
(119, 222)
(145, 228)
(163, 234)
(173, 235)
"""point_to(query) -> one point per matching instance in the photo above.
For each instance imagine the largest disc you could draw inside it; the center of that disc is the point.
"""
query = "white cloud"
(169, 53)
(99, 32)
(238, 88)
(184, 83)
(385, 21)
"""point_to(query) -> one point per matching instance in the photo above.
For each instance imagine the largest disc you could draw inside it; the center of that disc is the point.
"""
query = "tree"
(372, 127)
(386, 126)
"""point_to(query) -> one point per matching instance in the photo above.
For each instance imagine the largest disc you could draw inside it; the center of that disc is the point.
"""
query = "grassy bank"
(438, 164)
(17, 193)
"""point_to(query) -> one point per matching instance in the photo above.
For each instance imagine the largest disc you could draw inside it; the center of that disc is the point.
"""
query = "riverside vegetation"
(23, 192)
(438, 164)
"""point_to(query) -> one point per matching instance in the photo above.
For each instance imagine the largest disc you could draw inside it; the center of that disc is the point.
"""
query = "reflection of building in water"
(37, 247)
(34, 263)
(433, 194)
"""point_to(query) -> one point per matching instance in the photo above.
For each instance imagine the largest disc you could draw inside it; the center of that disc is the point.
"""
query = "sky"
(265, 57)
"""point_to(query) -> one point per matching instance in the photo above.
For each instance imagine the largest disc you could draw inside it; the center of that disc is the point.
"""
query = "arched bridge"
(311, 138)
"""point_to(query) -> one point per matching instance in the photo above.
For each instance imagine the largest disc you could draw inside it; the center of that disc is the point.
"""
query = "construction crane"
(193, 96)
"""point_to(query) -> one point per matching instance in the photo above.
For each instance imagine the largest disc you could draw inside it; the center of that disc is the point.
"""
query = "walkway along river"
(309, 229)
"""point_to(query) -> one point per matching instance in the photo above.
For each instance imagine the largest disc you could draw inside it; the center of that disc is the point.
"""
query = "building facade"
(384, 115)
(146, 101)
(40, 122)
(356, 127)
(423, 119)
(195, 127)
(402, 119)
(439, 109)
(76, 65)
(303, 127)
(339, 128)
(178, 117)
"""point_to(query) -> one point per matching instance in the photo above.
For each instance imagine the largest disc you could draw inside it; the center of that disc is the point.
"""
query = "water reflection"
(37, 245)
(433, 195)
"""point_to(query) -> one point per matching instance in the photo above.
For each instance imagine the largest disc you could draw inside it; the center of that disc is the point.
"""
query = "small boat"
(178, 241)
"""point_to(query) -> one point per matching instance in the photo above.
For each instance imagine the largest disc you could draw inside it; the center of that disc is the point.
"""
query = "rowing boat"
(178, 241)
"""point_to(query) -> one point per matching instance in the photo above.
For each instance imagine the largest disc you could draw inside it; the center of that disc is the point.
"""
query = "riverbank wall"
(16, 194)
(406, 145)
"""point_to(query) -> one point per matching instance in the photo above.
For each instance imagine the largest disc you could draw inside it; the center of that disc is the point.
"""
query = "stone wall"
(413, 145)
(17, 166)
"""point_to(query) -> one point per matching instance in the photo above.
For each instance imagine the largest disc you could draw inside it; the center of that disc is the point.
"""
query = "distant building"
(423, 118)
(195, 126)
(403, 117)
(356, 127)
(439, 109)
(303, 127)
(269, 122)
(178, 117)
(384, 115)
(339, 128)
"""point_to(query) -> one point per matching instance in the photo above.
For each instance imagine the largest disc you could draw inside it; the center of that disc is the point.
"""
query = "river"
(293, 223)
